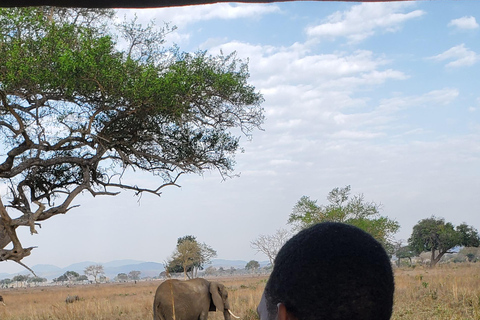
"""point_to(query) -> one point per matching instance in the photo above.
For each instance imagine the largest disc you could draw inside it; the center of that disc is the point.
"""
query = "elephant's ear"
(216, 298)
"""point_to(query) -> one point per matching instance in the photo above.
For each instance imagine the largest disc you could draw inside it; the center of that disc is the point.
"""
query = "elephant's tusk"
(233, 314)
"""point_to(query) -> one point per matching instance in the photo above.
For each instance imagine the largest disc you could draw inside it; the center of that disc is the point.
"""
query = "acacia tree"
(353, 210)
(134, 275)
(77, 112)
(37, 280)
(271, 244)
(122, 277)
(439, 237)
(190, 256)
(95, 270)
(404, 252)
(252, 265)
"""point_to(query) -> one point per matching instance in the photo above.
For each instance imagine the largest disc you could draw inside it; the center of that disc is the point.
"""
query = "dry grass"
(447, 292)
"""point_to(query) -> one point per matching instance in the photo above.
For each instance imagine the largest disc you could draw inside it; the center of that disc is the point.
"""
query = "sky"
(383, 97)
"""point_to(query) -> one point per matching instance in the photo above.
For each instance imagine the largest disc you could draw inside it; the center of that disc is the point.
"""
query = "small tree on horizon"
(122, 277)
(71, 276)
(37, 280)
(252, 266)
(22, 278)
(5, 282)
(82, 278)
(404, 252)
(134, 275)
(94, 271)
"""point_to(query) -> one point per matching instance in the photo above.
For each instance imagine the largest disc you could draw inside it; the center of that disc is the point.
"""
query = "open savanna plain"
(446, 292)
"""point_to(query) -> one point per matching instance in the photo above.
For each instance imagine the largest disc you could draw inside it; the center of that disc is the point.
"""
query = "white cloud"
(461, 56)
(362, 21)
(355, 135)
(467, 23)
(182, 16)
(294, 65)
(434, 97)
(311, 90)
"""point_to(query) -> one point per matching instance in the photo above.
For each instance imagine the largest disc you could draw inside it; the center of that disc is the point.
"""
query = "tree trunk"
(432, 259)
(435, 260)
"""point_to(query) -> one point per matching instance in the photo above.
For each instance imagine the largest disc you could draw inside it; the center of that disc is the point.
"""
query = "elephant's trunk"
(226, 315)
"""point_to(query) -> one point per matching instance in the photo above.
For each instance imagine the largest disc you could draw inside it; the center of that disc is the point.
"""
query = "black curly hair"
(332, 271)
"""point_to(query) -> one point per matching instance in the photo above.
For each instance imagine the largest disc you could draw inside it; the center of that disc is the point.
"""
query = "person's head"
(329, 271)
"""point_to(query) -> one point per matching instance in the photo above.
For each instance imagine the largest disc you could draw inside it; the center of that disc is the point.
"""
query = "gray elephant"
(191, 300)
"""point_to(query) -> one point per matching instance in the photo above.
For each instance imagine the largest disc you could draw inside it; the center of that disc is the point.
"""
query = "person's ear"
(283, 313)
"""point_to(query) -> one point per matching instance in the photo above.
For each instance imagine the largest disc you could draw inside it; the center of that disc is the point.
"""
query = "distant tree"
(210, 271)
(404, 252)
(77, 110)
(61, 278)
(438, 237)
(82, 278)
(271, 244)
(37, 280)
(353, 210)
(252, 265)
(70, 276)
(470, 254)
(122, 277)
(190, 256)
(21, 278)
(94, 271)
(134, 275)
(4, 283)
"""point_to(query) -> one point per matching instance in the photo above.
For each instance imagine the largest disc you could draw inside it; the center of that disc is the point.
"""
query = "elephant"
(191, 300)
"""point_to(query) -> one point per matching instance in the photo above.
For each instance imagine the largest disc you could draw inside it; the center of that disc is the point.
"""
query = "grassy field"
(447, 292)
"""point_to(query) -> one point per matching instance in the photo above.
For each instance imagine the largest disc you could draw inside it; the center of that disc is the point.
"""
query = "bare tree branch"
(271, 244)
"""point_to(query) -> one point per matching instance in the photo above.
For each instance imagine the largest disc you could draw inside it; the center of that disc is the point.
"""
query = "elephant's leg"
(203, 315)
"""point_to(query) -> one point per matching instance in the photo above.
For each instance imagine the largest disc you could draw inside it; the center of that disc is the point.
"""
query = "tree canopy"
(77, 111)
(439, 237)
(190, 256)
(342, 207)
(404, 252)
(94, 270)
(252, 265)
(69, 276)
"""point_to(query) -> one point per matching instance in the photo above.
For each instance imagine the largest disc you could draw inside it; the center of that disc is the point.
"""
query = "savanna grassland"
(446, 292)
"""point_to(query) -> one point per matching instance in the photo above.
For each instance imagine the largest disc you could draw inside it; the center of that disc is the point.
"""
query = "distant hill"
(113, 268)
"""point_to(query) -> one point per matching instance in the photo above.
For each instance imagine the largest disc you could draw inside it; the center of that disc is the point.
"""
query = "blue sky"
(383, 97)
